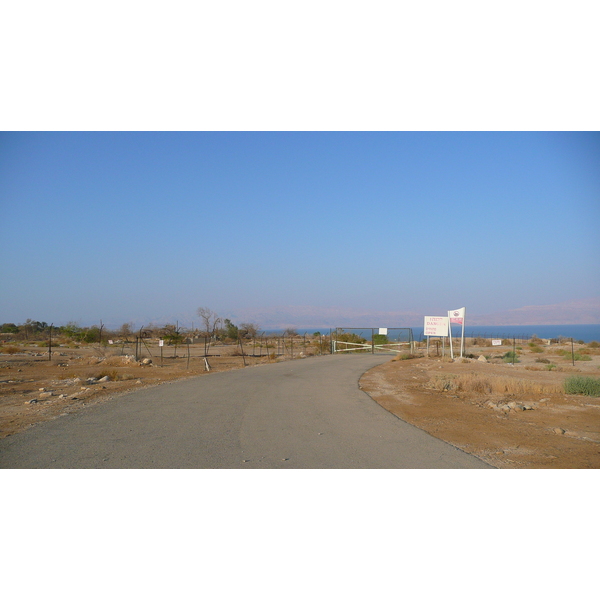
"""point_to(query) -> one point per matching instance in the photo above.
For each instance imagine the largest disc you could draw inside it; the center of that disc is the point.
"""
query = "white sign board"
(383, 331)
(161, 342)
(496, 342)
(436, 326)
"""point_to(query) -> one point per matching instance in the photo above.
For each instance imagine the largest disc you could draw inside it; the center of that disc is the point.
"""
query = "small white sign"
(110, 341)
(496, 342)
(161, 342)
(383, 331)
(436, 326)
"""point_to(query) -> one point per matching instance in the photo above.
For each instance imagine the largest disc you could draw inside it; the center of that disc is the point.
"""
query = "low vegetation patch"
(510, 357)
(9, 349)
(586, 386)
(490, 384)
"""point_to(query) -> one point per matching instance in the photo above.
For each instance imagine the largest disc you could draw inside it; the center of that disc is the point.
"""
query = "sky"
(144, 226)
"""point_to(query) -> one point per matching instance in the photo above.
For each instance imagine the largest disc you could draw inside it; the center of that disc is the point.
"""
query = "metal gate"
(373, 339)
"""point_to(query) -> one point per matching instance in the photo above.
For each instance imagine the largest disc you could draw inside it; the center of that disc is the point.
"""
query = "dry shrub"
(9, 349)
(491, 384)
(112, 374)
(92, 360)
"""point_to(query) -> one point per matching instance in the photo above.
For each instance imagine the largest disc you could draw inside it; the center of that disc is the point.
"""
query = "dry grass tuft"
(490, 384)
(10, 349)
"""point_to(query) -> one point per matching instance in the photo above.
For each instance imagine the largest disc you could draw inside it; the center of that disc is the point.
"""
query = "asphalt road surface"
(300, 414)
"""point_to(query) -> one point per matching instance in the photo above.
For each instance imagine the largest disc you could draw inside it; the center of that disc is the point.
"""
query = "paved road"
(298, 414)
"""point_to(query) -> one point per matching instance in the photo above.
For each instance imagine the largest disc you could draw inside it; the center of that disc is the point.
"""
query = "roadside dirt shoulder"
(530, 424)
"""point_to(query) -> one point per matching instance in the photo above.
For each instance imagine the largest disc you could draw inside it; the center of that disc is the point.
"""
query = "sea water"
(585, 333)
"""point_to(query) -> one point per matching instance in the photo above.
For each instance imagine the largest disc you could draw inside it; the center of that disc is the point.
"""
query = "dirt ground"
(511, 416)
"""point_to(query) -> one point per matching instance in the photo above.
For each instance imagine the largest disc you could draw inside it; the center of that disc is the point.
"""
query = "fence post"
(242, 349)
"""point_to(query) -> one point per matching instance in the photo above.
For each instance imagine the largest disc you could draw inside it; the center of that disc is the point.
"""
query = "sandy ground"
(530, 423)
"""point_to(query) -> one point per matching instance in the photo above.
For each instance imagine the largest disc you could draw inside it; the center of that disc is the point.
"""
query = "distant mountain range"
(575, 312)
(584, 312)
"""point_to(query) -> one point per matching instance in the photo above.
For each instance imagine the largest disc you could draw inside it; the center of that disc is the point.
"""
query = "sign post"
(436, 327)
(457, 316)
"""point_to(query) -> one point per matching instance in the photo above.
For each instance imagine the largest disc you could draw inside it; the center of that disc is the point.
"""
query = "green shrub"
(587, 386)
(594, 344)
(350, 337)
(510, 357)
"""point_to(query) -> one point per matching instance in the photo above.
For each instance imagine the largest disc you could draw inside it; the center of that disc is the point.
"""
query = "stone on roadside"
(482, 358)
(559, 430)
(147, 361)
(104, 379)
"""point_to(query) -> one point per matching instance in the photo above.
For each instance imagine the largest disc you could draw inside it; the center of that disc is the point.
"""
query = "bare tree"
(126, 330)
(249, 330)
(210, 320)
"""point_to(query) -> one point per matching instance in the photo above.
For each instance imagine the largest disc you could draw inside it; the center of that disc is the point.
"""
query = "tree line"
(211, 326)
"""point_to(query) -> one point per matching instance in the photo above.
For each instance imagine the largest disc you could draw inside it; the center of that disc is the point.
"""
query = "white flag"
(457, 316)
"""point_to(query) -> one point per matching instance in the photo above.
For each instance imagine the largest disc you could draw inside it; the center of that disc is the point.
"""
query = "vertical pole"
(514, 350)
(161, 355)
(242, 349)
(50, 343)
(188, 354)
(462, 339)
(572, 352)
(372, 341)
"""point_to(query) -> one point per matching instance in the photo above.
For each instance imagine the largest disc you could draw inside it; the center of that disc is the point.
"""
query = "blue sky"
(142, 226)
